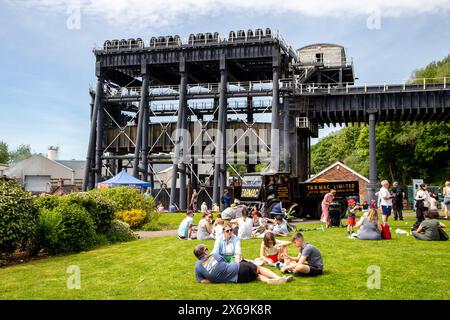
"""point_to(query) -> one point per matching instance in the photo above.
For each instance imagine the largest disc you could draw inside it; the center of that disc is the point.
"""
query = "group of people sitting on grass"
(245, 226)
(426, 227)
(225, 263)
(370, 227)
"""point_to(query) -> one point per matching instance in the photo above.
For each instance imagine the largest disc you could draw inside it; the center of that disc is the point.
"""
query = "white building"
(326, 54)
(41, 174)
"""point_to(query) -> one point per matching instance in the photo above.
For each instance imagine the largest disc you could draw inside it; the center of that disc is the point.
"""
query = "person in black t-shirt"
(398, 194)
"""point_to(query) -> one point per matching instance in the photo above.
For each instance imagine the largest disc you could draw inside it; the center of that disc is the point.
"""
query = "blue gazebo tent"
(123, 179)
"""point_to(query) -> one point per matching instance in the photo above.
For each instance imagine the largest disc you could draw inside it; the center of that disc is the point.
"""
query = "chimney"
(52, 153)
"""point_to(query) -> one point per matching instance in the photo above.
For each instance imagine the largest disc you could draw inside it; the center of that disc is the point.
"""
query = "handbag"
(443, 236)
(386, 232)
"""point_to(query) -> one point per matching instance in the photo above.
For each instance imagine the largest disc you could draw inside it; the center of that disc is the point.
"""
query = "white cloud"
(157, 14)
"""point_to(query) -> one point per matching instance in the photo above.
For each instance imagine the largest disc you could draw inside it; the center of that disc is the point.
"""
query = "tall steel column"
(145, 125)
(372, 185)
(178, 148)
(249, 161)
(221, 140)
(142, 106)
(286, 138)
(183, 143)
(274, 135)
(99, 140)
(294, 146)
(92, 135)
(91, 180)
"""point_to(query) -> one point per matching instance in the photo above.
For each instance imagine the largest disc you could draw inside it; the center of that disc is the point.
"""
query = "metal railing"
(295, 86)
(333, 88)
(303, 123)
(199, 106)
(197, 89)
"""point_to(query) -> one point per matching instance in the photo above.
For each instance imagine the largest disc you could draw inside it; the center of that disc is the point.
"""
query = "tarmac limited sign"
(315, 189)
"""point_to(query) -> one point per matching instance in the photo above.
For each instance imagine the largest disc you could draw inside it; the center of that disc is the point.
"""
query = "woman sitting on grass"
(257, 219)
(228, 245)
(205, 227)
(218, 227)
(370, 227)
(272, 250)
(244, 225)
(429, 228)
(259, 224)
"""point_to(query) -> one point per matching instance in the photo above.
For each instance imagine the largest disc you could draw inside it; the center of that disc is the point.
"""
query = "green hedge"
(76, 230)
(18, 217)
(101, 209)
(73, 223)
(47, 233)
(47, 202)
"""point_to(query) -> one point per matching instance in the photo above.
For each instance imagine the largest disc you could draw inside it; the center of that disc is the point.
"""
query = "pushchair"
(274, 208)
(335, 213)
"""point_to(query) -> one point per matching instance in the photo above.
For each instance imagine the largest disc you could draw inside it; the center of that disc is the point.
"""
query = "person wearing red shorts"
(351, 212)
(272, 250)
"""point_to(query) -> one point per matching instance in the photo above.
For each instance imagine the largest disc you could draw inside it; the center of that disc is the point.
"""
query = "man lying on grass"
(212, 268)
(309, 254)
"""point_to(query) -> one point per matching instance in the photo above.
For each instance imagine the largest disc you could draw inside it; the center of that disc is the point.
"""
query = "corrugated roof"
(72, 164)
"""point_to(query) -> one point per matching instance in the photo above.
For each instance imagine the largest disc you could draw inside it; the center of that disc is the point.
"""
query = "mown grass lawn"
(171, 221)
(163, 268)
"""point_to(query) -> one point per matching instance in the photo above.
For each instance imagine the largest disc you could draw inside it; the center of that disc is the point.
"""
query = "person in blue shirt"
(280, 227)
(228, 245)
(212, 268)
(185, 230)
(226, 199)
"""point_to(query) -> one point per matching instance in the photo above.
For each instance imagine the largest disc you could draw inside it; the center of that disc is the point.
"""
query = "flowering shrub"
(134, 217)
(120, 232)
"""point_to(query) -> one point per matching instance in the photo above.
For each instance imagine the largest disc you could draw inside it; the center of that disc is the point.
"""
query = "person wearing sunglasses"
(212, 268)
(228, 245)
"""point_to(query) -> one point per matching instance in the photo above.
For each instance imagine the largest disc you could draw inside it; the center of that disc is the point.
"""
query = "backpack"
(442, 235)
(386, 232)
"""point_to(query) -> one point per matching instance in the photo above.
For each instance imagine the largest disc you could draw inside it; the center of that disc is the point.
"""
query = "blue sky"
(47, 67)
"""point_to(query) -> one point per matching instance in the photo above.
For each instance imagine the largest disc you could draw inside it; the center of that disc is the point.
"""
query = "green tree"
(21, 153)
(4, 155)
(338, 146)
(434, 72)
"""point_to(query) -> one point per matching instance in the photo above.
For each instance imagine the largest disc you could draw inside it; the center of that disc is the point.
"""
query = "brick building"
(338, 172)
